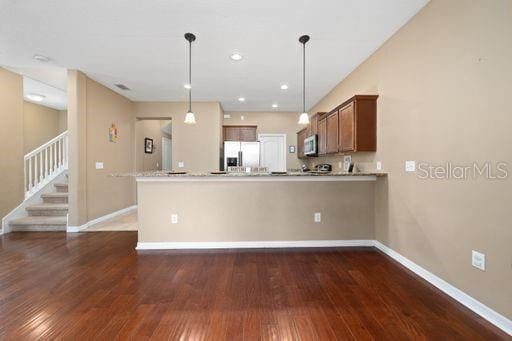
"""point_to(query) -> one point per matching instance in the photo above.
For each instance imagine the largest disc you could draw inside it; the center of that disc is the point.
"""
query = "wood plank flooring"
(96, 286)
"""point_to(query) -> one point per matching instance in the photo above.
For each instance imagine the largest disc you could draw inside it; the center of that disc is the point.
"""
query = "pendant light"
(190, 118)
(304, 117)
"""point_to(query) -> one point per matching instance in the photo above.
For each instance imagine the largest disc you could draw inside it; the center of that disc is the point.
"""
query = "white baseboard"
(478, 307)
(251, 244)
(74, 229)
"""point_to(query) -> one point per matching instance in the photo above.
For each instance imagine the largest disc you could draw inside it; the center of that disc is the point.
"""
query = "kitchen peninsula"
(202, 210)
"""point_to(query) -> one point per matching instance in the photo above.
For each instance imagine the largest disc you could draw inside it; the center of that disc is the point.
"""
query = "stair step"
(55, 198)
(39, 223)
(61, 187)
(48, 210)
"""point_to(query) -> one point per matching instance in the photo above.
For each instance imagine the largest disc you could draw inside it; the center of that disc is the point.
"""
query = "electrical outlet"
(318, 217)
(181, 164)
(174, 218)
(410, 166)
(242, 118)
(478, 260)
(99, 165)
(379, 165)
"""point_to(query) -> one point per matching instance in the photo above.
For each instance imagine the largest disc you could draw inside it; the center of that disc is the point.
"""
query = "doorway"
(273, 151)
(153, 139)
(166, 154)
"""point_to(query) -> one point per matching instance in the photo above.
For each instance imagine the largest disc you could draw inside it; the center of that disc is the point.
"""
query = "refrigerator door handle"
(240, 161)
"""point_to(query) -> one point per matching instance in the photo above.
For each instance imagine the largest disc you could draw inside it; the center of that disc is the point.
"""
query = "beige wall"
(151, 129)
(40, 125)
(107, 194)
(444, 82)
(11, 141)
(77, 146)
(63, 121)
(255, 211)
(195, 145)
(92, 109)
(274, 123)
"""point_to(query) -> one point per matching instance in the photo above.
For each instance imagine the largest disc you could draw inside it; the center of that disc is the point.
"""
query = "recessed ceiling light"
(36, 97)
(187, 86)
(241, 99)
(275, 105)
(284, 87)
(236, 56)
(41, 58)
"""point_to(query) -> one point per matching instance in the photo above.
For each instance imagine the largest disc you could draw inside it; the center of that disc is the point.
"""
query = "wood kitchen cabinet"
(357, 130)
(331, 139)
(301, 135)
(240, 133)
(322, 136)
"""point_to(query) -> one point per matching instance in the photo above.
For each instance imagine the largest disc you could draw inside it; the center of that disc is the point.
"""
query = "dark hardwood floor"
(96, 286)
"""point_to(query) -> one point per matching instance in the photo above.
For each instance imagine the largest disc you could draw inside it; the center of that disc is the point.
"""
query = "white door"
(273, 151)
(166, 154)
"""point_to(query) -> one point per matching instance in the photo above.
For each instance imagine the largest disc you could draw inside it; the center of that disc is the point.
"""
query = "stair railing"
(45, 163)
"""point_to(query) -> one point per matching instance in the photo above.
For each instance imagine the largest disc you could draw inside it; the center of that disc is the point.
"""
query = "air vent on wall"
(122, 87)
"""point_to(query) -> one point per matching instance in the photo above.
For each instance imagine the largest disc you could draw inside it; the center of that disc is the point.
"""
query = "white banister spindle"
(41, 172)
(44, 168)
(51, 158)
(60, 153)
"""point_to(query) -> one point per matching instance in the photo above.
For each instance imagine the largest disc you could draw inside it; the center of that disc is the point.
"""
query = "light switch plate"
(410, 166)
(379, 165)
(99, 165)
(181, 164)
(174, 218)
(478, 260)
(242, 118)
(318, 217)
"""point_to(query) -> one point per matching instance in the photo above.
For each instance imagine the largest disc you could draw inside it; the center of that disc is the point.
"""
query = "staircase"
(51, 215)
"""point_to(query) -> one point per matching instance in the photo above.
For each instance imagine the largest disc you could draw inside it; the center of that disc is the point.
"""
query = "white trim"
(481, 309)
(285, 151)
(251, 244)
(256, 178)
(74, 229)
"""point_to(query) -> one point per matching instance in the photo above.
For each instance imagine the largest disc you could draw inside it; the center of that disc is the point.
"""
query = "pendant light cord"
(304, 77)
(190, 76)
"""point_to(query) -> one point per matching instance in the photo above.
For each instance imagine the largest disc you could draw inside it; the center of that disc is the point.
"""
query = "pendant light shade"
(190, 118)
(304, 117)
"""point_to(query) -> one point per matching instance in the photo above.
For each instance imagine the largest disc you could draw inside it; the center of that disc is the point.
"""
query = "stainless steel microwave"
(311, 145)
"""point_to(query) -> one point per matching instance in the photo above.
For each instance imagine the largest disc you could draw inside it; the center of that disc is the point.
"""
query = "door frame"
(285, 155)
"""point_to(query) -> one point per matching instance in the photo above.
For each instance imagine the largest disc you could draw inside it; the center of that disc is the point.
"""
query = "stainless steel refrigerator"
(241, 154)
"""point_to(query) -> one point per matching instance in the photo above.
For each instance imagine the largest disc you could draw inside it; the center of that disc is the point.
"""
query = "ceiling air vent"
(122, 87)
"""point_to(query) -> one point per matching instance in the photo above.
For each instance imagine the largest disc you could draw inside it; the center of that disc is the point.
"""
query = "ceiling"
(140, 43)
(47, 81)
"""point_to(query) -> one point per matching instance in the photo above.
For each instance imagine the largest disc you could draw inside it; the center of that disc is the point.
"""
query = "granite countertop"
(153, 174)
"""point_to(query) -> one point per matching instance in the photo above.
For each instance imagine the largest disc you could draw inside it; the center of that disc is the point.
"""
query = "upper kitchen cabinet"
(240, 133)
(301, 135)
(357, 124)
(331, 139)
(322, 136)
